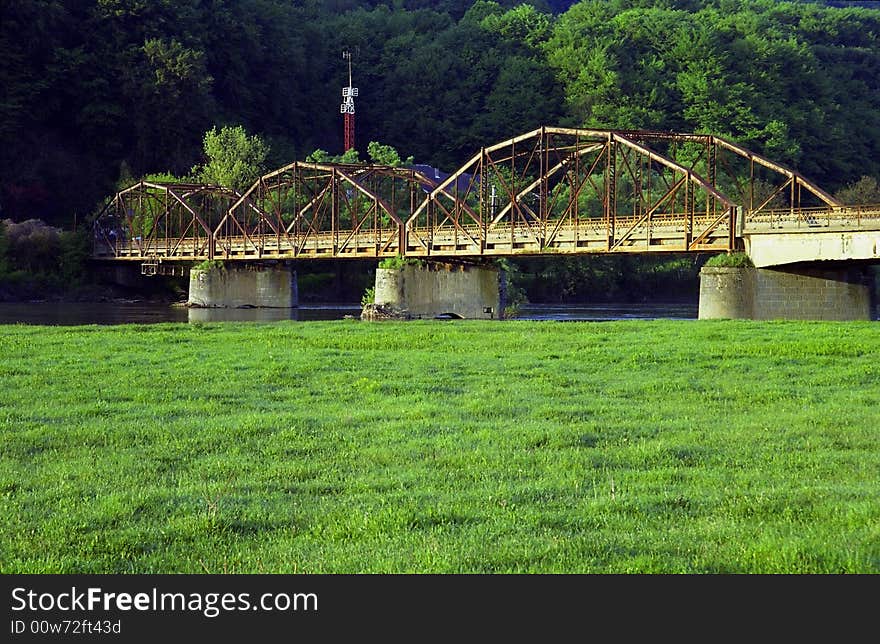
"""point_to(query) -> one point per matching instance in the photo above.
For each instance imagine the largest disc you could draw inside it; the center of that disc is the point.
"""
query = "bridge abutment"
(258, 285)
(434, 289)
(796, 293)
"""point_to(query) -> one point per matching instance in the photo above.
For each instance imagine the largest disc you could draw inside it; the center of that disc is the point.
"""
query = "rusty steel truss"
(552, 190)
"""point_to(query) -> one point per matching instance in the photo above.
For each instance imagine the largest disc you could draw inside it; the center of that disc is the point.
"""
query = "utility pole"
(347, 107)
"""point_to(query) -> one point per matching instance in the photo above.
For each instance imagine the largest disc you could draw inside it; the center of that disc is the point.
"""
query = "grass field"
(337, 447)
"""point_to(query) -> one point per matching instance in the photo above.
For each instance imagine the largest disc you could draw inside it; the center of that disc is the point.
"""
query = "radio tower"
(347, 107)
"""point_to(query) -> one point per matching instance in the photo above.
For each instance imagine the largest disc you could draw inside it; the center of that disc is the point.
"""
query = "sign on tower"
(347, 107)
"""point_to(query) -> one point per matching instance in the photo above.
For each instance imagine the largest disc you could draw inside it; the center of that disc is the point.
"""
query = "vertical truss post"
(712, 171)
(731, 235)
(751, 184)
(485, 208)
(429, 219)
(514, 205)
(611, 191)
(543, 143)
(689, 209)
(639, 208)
(575, 192)
(334, 210)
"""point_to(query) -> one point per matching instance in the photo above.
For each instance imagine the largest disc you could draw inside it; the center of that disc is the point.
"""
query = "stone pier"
(794, 293)
(258, 285)
(440, 289)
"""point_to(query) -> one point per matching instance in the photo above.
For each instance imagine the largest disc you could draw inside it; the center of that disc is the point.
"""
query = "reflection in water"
(77, 313)
(108, 313)
(81, 313)
(597, 312)
(242, 315)
(303, 313)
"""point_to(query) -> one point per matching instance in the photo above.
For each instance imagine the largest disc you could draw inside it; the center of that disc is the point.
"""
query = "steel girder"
(161, 220)
(551, 190)
(571, 191)
(323, 210)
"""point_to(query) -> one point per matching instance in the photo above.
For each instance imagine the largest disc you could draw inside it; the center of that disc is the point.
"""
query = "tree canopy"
(101, 90)
(234, 159)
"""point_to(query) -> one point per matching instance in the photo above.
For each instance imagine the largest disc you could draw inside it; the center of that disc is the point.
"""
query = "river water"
(78, 313)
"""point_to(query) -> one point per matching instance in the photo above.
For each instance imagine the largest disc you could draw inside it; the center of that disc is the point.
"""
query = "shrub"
(399, 262)
(209, 265)
(730, 260)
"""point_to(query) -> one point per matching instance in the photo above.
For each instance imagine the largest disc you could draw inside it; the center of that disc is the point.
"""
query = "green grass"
(448, 447)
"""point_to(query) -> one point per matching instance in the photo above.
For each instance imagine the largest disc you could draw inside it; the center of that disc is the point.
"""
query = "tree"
(386, 155)
(4, 249)
(235, 159)
(864, 191)
(379, 153)
(523, 24)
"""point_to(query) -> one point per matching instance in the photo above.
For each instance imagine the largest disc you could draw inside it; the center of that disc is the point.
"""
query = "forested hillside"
(96, 92)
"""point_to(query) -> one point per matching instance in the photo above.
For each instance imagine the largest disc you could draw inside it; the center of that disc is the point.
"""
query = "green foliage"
(369, 296)
(42, 256)
(607, 278)
(4, 249)
(522, 24)
(733, 447)
(349, 156)
(397, 262)
(210, 265)
(730, 260)
(166, 177)
(864, 191)
(793, 80)
(33, 246)
(379, 154)
(73, 256)
(774, 76)
(515, 293)
(234, 159)
(319, 156)
(386, 155)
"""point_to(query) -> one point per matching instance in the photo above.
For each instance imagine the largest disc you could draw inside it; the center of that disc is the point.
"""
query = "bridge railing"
(832, 217)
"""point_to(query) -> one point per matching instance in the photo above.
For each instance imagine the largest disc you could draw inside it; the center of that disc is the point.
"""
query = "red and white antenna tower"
(347, 107)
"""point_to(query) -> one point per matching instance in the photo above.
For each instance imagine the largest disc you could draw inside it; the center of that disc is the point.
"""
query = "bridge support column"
(796, 293)
(433, 289)
(258, 285)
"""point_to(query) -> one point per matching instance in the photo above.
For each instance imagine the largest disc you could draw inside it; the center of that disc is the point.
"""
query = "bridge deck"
(462, 241)
(587, 236)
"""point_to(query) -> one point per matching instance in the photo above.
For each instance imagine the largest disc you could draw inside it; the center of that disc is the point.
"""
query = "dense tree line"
(99, 90)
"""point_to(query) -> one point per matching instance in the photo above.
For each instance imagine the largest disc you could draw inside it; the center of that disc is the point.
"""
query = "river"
(79, 313)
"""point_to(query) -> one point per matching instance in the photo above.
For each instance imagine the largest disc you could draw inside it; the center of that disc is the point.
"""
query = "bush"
(209, 265)
(33, 246)
(4, 248)
(74, 253)
(399, 262)
(516, 294)
(730, 260)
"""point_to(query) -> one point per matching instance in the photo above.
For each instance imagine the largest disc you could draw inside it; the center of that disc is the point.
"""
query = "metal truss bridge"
(552, 190)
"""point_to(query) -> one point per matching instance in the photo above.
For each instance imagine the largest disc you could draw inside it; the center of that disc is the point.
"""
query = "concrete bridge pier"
(239, 285)
(802, 292)
(429, 289)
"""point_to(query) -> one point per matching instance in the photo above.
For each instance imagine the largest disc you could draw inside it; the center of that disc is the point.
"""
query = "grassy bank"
(667, 446)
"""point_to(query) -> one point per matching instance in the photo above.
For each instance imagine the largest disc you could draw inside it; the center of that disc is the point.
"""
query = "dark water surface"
(78, 313)
(609, 312)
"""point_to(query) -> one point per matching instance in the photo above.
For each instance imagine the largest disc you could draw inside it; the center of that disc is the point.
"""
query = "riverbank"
(449, 447)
